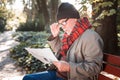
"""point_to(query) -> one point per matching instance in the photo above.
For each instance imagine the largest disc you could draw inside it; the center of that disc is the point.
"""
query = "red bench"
(111, 68)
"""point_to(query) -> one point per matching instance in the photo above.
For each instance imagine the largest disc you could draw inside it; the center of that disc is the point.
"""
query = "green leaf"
(111, 12)
(96, 24)
(106, 4)
(84, 8)
(83, 1)
(102, 15)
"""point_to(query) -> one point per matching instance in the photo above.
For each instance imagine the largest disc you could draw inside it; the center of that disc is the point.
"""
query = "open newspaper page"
(45, 55)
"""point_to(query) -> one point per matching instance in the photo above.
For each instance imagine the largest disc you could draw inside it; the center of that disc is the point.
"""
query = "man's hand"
(62, 66)
(55, 29)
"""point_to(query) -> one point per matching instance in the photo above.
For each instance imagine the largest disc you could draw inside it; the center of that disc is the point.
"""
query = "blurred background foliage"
(31, 25)
(23, 58)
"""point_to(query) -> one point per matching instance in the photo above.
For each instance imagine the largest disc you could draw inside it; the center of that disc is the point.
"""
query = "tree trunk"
(53, 10)
(108, 29)
(45, 11)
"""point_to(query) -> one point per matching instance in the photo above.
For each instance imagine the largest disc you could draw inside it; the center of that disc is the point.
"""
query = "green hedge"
(22, 57)
(31, 26)
(2, 24)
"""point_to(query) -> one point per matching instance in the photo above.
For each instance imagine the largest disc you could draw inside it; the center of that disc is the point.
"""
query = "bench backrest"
(111, 65)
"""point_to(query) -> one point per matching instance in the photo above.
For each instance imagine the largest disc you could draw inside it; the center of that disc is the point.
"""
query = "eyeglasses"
(62, 23)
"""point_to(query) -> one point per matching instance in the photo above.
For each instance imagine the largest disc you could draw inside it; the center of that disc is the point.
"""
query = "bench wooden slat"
(112, 69)
(111, 65)
(113, 59)
(102, 77)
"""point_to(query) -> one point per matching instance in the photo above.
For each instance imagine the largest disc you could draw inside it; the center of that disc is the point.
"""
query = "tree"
(49, 9)
(104, 20)
(42, 8)
(106, 14)
(3, 15)
(53, 9)
(43, 11)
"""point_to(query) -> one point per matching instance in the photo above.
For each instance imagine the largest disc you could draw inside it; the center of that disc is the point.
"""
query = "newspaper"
(45, 55)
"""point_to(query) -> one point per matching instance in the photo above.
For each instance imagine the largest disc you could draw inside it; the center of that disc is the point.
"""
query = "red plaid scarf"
(80, 27)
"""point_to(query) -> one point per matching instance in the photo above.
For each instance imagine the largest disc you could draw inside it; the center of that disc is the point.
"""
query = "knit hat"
(67, 10)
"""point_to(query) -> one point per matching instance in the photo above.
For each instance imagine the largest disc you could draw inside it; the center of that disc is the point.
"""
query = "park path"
(8, 69)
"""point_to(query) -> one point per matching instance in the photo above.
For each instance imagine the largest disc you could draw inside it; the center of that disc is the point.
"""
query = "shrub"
(30, 26)
(23, 58)
(2, 24)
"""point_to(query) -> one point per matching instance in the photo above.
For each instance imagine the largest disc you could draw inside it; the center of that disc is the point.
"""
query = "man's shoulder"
(90, 34)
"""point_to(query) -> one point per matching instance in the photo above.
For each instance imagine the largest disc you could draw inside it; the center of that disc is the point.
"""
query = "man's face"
(67, 24)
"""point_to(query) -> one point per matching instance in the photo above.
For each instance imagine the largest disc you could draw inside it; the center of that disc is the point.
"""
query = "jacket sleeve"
(92, 46)
(55, 43)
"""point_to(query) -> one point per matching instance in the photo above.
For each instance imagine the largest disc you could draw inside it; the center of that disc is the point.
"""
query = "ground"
(8, 69)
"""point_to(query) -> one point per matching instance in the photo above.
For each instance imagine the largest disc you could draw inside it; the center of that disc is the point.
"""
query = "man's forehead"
(61, 20)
